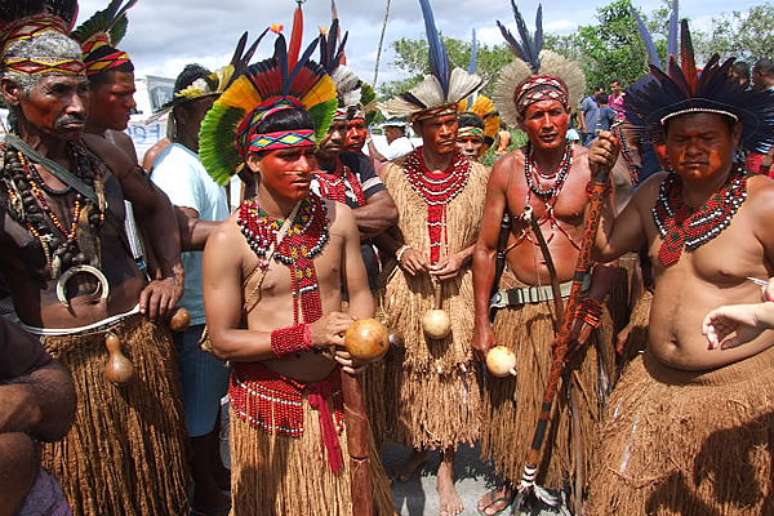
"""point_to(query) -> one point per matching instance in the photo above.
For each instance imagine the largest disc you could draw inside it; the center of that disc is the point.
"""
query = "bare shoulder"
(115, 158)
(226, 237)
(760, 192)
(342, 220)
(124, 142)
(504, 167)
(647, 191)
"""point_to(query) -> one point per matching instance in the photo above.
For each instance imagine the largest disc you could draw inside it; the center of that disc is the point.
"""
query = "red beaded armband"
(294, 339)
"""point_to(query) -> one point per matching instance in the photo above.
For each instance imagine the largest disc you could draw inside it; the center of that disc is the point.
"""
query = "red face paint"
(439, 134)
(357, 133)
(288, 172)
(546, 124)
(700, 146)
(112, 102)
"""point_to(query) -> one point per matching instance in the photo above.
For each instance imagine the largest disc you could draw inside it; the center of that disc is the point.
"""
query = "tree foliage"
(745, 35)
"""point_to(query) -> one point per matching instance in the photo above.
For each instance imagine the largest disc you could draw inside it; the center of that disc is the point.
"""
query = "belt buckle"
(499, 300)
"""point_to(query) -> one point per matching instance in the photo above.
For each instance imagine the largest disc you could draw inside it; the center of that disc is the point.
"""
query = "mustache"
(69, 119)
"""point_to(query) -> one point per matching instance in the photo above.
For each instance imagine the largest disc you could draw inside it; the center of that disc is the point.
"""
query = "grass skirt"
(125, 454)
(512, 405)
(689, 443)
(284, 476)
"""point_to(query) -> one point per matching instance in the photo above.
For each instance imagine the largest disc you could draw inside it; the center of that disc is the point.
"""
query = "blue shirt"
(180, 174)
(590, 111)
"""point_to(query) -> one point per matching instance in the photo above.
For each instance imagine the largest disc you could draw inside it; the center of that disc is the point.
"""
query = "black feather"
(529, 48)
(302, 61)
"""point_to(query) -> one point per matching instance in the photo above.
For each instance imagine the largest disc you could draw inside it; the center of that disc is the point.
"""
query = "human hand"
(731, 326)
(483, 340)
(447, 268)
(768, 292)
(349, 364)
(603, 152)
(622, 339)
(160, 296)
(329, 330)
(413, 262)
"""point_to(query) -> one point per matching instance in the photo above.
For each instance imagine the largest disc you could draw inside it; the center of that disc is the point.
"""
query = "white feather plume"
(429, 92)
(348, 86)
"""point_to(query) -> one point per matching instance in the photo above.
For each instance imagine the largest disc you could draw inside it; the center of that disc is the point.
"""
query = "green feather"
(217, 147)
(322, 115)
(118, 31)
(367, 94)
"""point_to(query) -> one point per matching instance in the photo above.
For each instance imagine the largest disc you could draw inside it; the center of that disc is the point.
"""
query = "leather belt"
(516, 297)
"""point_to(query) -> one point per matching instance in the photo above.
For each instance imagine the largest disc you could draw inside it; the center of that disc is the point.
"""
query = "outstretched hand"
(731, 326)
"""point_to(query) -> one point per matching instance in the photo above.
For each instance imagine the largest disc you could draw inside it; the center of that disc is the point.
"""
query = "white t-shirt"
(398, 148)
(180, 174)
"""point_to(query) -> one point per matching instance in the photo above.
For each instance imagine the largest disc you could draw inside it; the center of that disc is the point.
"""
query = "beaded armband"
(591, 311)
(294, 339)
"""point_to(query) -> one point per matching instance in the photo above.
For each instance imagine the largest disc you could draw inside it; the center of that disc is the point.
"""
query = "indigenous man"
(432, 396)
(547, 181)
(272, 286)
(180, 174)
(37, 403)
(478, 127)
(74, 281)
(348, 177)
(689, 428)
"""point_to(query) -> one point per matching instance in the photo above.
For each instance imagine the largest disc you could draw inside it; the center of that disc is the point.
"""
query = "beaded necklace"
(30, 207)
(304, 241)
(560, 175)
(336, 185)
(437, 190)
(682, 227)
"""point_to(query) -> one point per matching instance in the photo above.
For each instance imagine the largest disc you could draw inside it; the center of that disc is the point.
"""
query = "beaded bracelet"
(290, 340)
(400, 252)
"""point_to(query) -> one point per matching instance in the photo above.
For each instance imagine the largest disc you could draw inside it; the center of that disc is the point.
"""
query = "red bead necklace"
(437, 190)
(304, 241)
(334, 186)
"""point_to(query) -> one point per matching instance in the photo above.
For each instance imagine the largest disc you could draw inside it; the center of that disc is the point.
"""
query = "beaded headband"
(698, 110)
(448, 109)
(282, 140)
(539, 88)
(470, 132)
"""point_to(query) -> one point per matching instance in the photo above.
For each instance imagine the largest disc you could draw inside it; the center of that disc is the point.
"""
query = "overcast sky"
(164, 35)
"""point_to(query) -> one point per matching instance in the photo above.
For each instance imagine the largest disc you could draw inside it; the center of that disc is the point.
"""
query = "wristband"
(400, 252)
(290, 340)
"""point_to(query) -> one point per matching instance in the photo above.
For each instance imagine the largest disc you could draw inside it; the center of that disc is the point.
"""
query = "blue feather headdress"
(439, 92)
(535, 73)
(683, 89)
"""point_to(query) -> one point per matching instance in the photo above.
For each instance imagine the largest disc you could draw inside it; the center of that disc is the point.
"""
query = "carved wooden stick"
(359, 445)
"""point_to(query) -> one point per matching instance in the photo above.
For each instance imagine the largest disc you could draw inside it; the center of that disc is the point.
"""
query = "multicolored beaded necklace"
(335, 185)
(305, 240)
(437, 190)
(30, 207)
(548, 196)
(682, 227)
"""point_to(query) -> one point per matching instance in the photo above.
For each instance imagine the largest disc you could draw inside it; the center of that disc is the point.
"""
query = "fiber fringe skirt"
(688, 443)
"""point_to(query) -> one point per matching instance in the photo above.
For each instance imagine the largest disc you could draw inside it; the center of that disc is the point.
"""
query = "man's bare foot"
(412, 464)
(451, 503)
(495, 501)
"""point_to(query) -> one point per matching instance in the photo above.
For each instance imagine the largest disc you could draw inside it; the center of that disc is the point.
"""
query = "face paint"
(700, 146)
(357, 134)
(112, 102)
(58, 106)
(288, 172)
(546, 124)
(439, 134)
(470, 146)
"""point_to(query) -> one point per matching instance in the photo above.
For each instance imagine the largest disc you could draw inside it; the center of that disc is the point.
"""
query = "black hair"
(468, 119)
(190, 74)
(293, 119)
(488, 141)
(764, 66)
(601, 98)
(107, 76)
(741, 68)
(730, 122)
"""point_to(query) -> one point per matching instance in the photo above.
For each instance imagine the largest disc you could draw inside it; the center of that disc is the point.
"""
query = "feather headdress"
(485, 109)
(535, 74)
(682, 89)
(100, 35)
(229, 131)
(24, 20)
(443, 89)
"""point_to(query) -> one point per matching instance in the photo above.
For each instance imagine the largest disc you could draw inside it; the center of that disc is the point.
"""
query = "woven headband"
(282, 140)
(448, 109)
(539, 88)
(105, 63)
(470, 132)
(30, 28)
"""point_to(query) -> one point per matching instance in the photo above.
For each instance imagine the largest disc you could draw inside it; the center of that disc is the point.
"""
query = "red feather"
(688, 59)
(294, 49)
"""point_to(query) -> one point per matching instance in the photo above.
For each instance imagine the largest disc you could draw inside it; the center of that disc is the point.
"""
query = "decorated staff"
(534, 199)
(272, 280)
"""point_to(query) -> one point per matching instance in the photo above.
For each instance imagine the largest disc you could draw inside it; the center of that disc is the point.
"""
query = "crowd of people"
(596, 314)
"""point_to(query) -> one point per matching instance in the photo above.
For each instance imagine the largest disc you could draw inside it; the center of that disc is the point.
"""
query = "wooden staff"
(359, 445)
(563, 344)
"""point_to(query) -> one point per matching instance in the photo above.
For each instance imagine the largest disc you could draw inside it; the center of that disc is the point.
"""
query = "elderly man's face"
(57, 105)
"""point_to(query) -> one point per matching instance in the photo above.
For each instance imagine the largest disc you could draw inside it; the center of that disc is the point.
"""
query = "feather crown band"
(100, 34)
(485, 109)
(287, 80)
(535, 74)
(440, 92)
(23, 20)
(681, 90)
